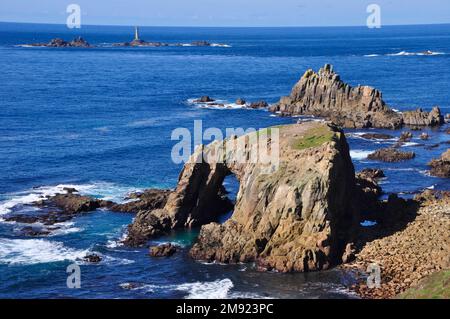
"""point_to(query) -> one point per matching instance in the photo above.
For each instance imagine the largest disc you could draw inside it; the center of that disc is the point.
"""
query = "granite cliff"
(324, 94)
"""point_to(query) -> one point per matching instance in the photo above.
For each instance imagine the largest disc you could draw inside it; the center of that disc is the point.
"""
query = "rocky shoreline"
(408, 249)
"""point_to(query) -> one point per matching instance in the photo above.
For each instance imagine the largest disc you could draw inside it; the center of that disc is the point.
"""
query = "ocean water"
(101, 119)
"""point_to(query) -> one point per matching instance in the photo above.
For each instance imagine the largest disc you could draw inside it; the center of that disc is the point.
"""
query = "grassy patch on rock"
(313, 138)
(435, 286)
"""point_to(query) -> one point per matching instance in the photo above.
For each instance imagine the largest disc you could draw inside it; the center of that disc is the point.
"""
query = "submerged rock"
(391, 155)
(92, 258)
(163, 250)
(377, 136)
(441, 167)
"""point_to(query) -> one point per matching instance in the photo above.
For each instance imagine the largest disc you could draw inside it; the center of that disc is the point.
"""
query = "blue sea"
(101, 119)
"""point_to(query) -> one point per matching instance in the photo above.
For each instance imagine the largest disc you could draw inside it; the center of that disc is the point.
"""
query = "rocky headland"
(298, 217)
(324, 94)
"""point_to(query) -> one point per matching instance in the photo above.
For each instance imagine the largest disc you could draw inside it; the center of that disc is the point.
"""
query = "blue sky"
(227, 12)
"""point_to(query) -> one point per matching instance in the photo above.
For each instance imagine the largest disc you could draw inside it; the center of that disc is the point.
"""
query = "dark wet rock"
(204, 99)
(200, 43)
(420, 117)
(148, 200)
(163, 250)
(258, 105)
(377, 136)
(424, 136)
(441, 167)
(92, 258)
(21, 218)
(391, 155)
(240, 101)
(433, 146)
(79, 42)
(34, 231)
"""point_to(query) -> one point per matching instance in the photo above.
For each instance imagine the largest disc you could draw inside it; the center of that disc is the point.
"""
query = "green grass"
(435, 286)
(313, 138)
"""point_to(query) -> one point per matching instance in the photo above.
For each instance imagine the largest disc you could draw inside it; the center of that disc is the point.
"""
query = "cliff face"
(324, 94)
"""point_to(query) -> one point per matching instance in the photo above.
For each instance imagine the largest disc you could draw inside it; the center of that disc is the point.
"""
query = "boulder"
(240, 101)
(204, 99)
(391, 155)
(259, 105)
(423, 118)
(441, 167)
(92, 258)
(79, 42)
(405, 137)
(163, 250)
(371, 173)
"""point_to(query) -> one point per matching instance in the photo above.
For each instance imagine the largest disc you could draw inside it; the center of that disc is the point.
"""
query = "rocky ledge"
(441, 167)
(324, 94)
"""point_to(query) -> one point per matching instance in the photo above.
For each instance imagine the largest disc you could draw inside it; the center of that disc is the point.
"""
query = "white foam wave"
(218, 289)
(220, 45)
(36, 251)
(359, 154)
(217, 104)
(371, 55)
(424, 53)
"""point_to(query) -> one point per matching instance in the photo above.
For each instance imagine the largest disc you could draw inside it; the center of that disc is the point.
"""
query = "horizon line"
(230, 26)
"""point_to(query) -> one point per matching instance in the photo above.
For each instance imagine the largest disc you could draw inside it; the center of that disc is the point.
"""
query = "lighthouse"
(136, 34)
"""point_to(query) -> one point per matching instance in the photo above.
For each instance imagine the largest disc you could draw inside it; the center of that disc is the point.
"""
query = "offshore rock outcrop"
(77, 42)
(441, 167)
(324, 94)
